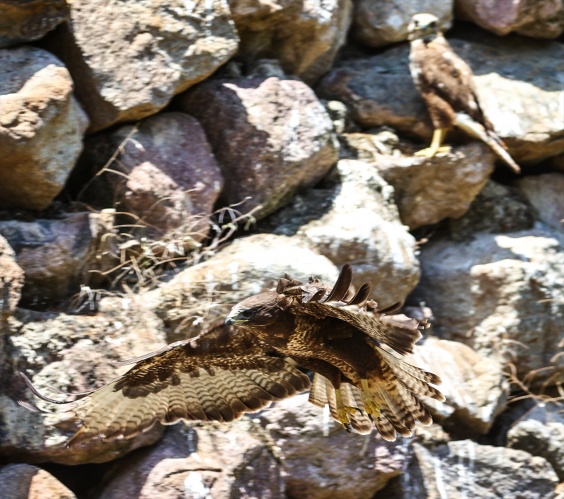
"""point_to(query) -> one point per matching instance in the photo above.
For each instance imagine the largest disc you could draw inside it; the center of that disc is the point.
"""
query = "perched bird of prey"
(446, 84)
(354, 350)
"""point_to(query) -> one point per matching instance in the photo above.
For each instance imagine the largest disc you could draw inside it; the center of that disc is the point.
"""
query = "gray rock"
(200, 462)
(128, 59)
(382, 23)
(538, 439)
(58, 255)
(304, 36)
(275, 138)
(356, 221)
(322, 460)
(465, 469)
(501, 294)
(538, 19)
(544, 192)
(29, 20)
(41, 127)
(512, 75)
(74, 354)
(496, 209)
(160, 172)
(475, 386)
(429, 190)
(200, 297)
(23, 481)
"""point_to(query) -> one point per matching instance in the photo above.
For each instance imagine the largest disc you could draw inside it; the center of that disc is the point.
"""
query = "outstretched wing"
(341, 302)
(218, 376)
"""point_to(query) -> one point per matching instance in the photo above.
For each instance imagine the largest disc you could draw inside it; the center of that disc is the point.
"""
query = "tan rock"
(11, 279)
(428, 190)
(355, 220)
(130, 58)
(275, 138)
(41, 127)
(23, 481)
(29, 20)
(303, 35)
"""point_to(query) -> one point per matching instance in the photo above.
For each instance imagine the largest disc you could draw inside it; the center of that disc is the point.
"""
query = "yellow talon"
(371, 407)
(343, 410)
(435, 147)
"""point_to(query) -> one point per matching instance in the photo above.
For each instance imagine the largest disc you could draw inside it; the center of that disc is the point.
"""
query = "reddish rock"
(164, 175)
(11, 279)
(275, 138)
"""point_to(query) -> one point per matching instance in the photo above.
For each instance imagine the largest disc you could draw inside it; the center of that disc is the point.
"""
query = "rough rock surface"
(57, 255)
(23, 481)
(201, 461)
(355, 220)
(381, 23)
(544, 192)
(475, 386)
(130, 58)
(275, 137)
(320, 457)
(465, 469)
(303, 35)
(526, 17)
(74, 354)
(11, 279)
(29, 20)
(428, 190)
(511, 74)
(501, 294)
(38, 114)
(538, 439)
(497, 208)
(161, 172)
(201, 296)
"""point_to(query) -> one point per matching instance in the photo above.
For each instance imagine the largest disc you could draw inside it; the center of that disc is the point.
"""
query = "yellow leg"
(370, 405)
(343, 410)
(439, 135)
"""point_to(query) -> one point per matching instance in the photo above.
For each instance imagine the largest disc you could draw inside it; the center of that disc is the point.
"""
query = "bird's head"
(423, 26)
(258, 311)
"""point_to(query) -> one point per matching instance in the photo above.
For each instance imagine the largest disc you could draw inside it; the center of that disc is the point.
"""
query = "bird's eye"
(432, 24)
(247, 314)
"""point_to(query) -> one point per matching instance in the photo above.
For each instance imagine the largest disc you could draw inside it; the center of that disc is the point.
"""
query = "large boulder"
(501, 294)
(275, 137)
(534, 18)
(41, 127)
(160, 174)
(129, 58)
(354, 220)
(304, 36)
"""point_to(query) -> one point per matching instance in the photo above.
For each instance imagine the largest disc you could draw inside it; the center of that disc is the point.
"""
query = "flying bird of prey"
(446, 84)
(354, 350)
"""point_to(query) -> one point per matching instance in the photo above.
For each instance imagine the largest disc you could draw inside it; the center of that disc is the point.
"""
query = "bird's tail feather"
(488, 136)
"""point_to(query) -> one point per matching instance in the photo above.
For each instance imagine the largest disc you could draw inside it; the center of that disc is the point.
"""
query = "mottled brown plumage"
(446, 84)
(353, 348)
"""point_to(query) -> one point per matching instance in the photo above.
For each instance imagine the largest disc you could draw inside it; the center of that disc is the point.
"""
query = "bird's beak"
(233, 318)
(229, 321)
